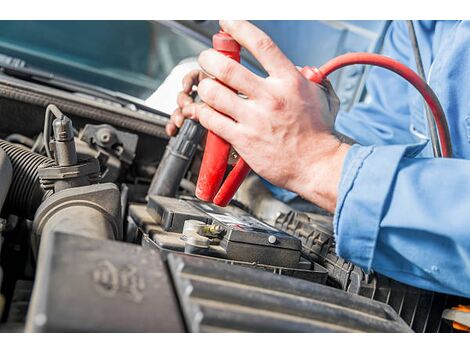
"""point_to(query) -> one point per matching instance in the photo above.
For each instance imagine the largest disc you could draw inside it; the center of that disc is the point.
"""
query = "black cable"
(436, 145)
(20, 139)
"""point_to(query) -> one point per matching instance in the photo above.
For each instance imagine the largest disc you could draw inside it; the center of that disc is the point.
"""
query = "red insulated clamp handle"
(217, 151)
(232, 183)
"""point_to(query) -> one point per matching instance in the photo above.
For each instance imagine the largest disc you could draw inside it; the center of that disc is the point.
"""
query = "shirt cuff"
(367, 178)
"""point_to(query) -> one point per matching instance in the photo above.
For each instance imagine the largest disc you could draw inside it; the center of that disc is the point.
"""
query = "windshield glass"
(131, 57)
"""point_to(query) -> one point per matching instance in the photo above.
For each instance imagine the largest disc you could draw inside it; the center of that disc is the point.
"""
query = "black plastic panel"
(221, 297)
(88, 285)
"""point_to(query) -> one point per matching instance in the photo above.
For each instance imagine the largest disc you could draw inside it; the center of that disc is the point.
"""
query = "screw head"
(105, 137)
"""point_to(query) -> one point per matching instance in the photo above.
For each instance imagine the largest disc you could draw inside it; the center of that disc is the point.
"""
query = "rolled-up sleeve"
(402, 216)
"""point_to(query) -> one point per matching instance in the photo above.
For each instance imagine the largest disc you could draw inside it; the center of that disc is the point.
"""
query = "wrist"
(319, 182)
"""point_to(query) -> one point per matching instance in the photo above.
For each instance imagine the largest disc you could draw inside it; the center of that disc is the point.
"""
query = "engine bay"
(98, 235)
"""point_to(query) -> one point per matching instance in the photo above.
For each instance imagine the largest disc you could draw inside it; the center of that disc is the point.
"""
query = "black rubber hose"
(6, 174)
(175, 162)
(25, 194)
(19, 138)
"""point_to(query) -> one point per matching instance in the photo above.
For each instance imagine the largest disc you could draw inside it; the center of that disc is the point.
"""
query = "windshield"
(131, 57)
(135, 57)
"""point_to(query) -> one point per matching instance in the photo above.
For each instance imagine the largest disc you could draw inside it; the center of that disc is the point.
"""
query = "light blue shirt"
(401, 212)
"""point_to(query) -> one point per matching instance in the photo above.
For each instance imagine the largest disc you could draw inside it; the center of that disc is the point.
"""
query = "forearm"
(406, 217)
(319, 182)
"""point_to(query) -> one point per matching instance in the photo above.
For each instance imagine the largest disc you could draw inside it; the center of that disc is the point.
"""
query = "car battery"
(171, 213)
(251, 240)
(241, 238)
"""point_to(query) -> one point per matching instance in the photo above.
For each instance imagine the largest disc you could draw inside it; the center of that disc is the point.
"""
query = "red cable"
(409, 75)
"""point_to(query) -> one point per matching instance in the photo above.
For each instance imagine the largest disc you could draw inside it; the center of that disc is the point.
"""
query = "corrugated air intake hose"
(25, 193)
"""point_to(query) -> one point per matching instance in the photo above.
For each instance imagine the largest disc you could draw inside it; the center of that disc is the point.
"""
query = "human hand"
(283, 129)
(184, 98)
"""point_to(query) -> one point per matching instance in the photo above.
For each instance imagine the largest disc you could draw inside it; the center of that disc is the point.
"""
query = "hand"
(283, 129)
(184, 98)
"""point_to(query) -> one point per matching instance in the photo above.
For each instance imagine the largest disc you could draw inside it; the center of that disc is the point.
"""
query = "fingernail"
(168, 130)
(225, 23)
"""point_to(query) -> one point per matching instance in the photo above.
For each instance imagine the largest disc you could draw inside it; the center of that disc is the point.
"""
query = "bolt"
(215, 229)
(105, 137)
(272, 239)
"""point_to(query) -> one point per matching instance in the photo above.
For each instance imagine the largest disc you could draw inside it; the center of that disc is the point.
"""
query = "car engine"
(101, 232)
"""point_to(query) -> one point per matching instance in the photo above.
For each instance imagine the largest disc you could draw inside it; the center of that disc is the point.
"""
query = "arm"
(406, 217)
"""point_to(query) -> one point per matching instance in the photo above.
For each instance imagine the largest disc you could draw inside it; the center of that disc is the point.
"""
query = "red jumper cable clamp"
(217, 151)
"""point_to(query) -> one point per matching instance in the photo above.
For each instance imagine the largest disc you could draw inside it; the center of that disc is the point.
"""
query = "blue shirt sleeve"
(404, 216)
(399, 213)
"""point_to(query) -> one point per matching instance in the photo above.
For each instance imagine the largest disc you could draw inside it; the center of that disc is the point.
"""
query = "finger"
(191, 79)
(260, 45)
(177, 118)
(214, 121)
(332, 97)
(220, 98)
(176, 121)
(170, 129)
(183, 99)
(229, 72)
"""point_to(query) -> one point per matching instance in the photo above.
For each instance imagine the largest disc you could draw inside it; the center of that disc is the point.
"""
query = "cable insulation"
(409, 75)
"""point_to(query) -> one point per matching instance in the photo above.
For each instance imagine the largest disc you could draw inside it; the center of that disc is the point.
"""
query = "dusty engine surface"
(101, 233)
